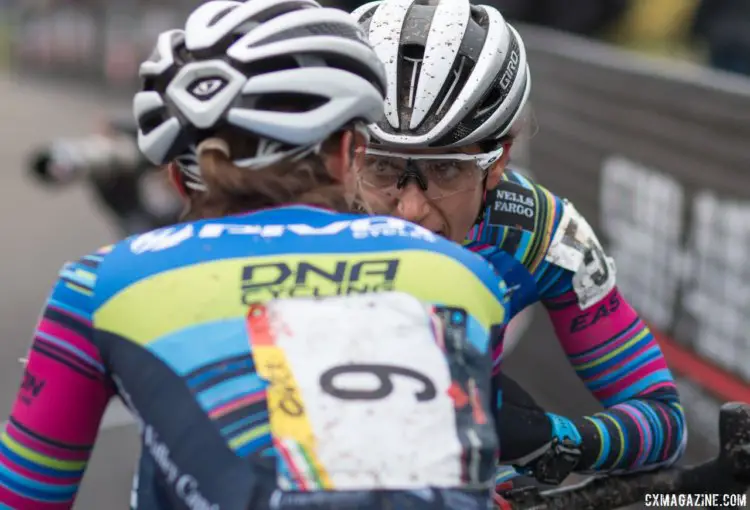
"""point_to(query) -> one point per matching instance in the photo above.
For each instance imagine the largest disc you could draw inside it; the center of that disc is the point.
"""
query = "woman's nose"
(413, 205)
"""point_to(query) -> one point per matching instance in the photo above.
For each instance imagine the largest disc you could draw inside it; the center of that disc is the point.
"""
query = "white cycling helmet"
(288, 73)
(457, 73)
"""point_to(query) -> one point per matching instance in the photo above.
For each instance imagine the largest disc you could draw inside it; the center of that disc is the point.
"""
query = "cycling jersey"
(172, 322)
(547, 252)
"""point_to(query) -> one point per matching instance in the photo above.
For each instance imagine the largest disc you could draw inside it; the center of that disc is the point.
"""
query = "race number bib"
(575, 247)
(373, 392)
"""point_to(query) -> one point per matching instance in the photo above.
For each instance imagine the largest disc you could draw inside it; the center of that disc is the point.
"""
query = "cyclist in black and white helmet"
(278, 350)
(458, 85)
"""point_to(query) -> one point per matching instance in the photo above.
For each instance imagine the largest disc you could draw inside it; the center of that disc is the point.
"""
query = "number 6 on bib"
(393, 393)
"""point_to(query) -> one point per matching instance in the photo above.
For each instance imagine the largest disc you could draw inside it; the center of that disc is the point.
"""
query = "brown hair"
(233, 190)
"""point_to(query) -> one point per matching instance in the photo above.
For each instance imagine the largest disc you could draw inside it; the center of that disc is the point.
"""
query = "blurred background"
(643, 116)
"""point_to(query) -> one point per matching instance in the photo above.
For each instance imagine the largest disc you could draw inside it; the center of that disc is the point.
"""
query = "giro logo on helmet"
(206, 88)
(510, 72)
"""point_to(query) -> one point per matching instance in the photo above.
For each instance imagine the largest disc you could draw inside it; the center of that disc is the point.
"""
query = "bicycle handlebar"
(728, 473)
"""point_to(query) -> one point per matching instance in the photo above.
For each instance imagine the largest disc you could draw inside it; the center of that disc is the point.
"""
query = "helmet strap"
(483, 205)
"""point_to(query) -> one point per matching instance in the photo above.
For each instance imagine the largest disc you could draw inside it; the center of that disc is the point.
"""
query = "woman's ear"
(496, 171)
(346, 158)
(177, 180)
(359, 147)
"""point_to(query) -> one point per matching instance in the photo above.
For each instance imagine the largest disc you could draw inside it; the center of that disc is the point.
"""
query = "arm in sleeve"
(614, 354)
(46, 442)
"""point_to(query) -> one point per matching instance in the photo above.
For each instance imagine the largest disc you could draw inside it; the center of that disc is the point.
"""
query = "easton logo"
(206, 88)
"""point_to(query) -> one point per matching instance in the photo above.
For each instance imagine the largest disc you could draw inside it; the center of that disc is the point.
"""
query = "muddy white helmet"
(457, 73)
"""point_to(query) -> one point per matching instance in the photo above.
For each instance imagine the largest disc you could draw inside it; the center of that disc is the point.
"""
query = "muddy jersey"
(248, 399)
(547, 252)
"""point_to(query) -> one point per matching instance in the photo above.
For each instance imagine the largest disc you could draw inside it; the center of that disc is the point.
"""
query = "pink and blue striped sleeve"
(46, 442)
(616, 356)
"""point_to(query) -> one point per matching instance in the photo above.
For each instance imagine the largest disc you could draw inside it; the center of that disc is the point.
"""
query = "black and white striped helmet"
(457, 73)
(289, 73)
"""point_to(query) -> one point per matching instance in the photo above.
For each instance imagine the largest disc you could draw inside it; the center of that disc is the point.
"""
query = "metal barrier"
(62, 40)
(98, 42)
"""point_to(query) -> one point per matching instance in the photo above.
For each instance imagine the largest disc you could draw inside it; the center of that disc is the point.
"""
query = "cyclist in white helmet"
(278, 351)
(458, 85)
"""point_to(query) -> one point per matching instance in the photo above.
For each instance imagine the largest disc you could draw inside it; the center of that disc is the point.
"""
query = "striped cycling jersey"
(542, 247)
(162, 321)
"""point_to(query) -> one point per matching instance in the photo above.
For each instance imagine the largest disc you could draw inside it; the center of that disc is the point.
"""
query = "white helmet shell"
(456, 72)
(233, 64)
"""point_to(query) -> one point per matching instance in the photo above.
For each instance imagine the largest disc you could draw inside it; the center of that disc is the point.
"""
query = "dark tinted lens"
(442, 176)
